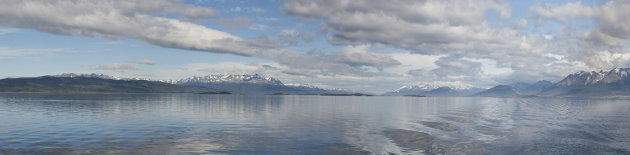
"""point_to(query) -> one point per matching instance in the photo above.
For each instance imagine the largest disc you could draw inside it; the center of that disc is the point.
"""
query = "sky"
(358, 45)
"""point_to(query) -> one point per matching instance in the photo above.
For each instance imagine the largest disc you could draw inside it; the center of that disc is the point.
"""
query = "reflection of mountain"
(90, 83)
(250, 84)
(615, 82)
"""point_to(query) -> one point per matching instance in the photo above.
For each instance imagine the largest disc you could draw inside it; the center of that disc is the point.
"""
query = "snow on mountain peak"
(244, 78)
(587, 78)
(434, 85)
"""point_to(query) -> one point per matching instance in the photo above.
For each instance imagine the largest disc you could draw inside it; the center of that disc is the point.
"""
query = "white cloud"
(359, 56)
(453, 29)
(116, 19)
(120, 68)
(520, 24)
(146, 62)
(600, 46)
(562, 13)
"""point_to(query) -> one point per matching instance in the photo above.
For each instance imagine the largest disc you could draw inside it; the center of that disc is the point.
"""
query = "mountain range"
(435, 90)
(615, 82)
(88, 83)
(251, 84)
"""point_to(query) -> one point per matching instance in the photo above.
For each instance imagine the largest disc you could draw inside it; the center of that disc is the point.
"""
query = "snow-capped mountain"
(615, 82)
(587, 78)
(93, 75)
(250, 84)
(434, 85)
(436, 89)
(245, 78)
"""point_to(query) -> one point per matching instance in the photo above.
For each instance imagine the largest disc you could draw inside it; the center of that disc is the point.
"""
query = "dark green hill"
(90, 85)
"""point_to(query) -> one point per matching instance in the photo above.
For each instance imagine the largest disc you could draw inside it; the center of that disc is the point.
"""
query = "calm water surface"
(41, 123)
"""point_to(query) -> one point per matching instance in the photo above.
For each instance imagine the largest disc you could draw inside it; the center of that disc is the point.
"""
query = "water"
(41, 123)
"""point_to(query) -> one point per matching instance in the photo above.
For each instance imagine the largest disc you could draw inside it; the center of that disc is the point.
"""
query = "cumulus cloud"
(293, 36)
(428, 27)
(520, 24)
(455, 66)
(116, 19)
(359, 56)
(146, 62)
(602, 47)
(425, 27)
(562, 13)
(120, 18)
(120, 68)
(444, 28)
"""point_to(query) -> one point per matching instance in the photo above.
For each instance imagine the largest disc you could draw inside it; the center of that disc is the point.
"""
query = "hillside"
(88, 84)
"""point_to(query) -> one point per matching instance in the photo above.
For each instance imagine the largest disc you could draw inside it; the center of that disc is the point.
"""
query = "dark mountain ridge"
(90, 85)
(615, 82)
(98, 83)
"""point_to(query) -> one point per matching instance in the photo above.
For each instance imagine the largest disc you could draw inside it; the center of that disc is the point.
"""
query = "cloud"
(235, 23)
(562, 13)
(236, 9)
(146, 62)
(601, 46)
(258, 10)
(442, 28)
(120, 68)
(123, 19)
(258, 27)
(425, 27)
(138, 20)
(520, 24)
(7, 30)
(359, 56)
(455, 66)
(294, 37)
